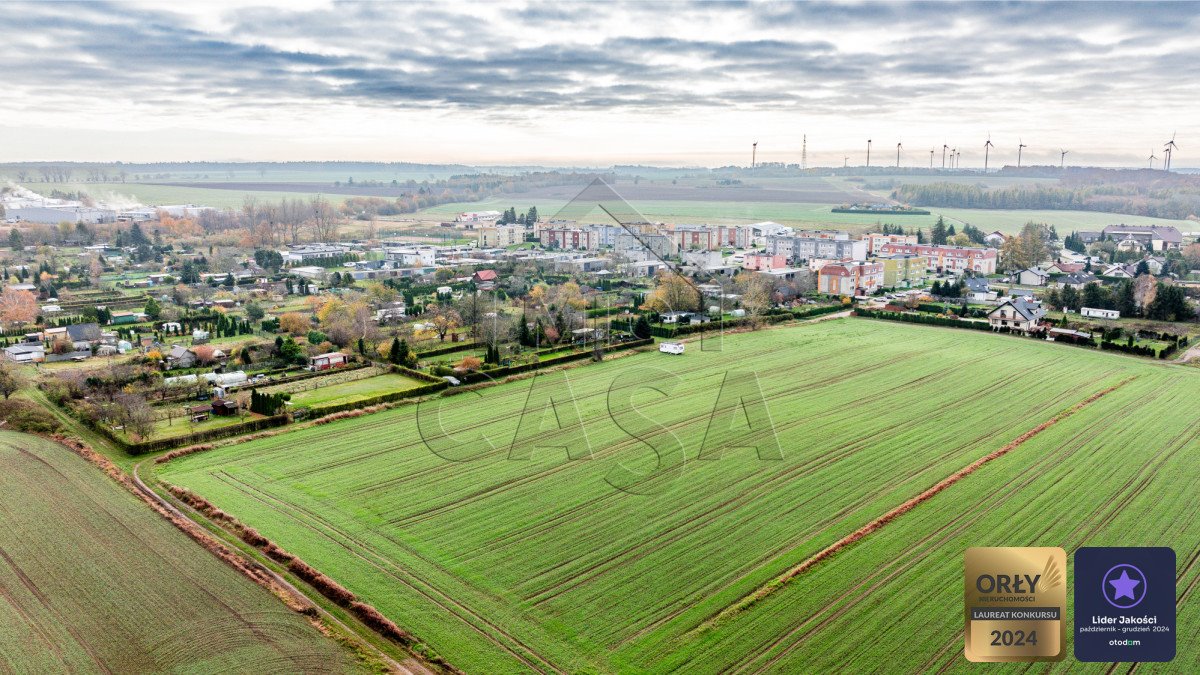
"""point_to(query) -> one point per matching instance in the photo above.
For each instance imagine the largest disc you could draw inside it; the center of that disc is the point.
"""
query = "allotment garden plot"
(93, 581)
(623, 531)
(343, 387)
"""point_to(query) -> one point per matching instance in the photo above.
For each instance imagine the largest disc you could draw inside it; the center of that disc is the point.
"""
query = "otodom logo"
(1125, 604)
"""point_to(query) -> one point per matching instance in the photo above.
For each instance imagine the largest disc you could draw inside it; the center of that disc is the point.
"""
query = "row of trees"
(510, 216)
(1141, 297)
(1176, 203)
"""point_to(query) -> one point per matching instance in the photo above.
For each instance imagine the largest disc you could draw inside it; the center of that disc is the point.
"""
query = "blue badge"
(1124, 604)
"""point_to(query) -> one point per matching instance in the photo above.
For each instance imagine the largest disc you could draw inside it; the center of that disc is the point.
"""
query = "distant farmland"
(93, 581)
(506, 556)
(816, 215)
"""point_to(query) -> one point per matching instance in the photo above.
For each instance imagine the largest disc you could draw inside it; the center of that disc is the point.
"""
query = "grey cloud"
(420, 56)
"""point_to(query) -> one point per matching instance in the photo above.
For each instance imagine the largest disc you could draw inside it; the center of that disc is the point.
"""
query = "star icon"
(1124, 586)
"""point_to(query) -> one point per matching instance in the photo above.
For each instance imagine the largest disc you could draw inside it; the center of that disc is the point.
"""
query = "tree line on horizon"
(1176, 203)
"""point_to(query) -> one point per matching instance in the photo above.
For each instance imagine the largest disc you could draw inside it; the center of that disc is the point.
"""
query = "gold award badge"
(1016, 603)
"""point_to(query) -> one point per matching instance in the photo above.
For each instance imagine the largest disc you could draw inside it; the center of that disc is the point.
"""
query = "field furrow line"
(200, 584)
(995, 496)
(837, 454)
(548, 524)
(837, 518)
(925, 545)
(673, 535)
(491, 490)
(447, 602)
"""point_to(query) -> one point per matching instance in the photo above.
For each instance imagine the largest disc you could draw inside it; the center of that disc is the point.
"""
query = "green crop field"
(91, 580)
(819, 215)
(319, 391)
(624, 536)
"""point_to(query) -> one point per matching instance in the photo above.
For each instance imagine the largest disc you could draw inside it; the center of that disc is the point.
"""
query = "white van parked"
(670, 347)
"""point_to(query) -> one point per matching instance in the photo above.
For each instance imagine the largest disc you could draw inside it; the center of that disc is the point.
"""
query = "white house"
(1118, 272)
(1099, 313)
(1033, 276)
(1018, 314)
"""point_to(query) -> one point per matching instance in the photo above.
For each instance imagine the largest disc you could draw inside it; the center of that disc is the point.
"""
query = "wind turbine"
(931, 159)
(1168, 150)
(987, 147)
(1020, 147)
(868, 152)
(753, 154)
(1152, 158)
(898, 146)
(944, 148)
(845, 161)
(1062, 158)
(953, 158)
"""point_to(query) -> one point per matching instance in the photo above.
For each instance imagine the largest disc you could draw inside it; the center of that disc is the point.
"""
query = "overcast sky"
(598, 84)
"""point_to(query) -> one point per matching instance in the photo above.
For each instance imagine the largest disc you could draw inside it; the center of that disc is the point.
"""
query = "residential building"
(656, 245)
(1158, 238)
(425, 256)
(702, 259)
(709, 237)
(1034, 276)
(903, 270)
(801, 248)
(1018, 314)
(949, 259)
(1118, 271)
(979, 290)
(606, 235)
(1077, 281)
(875, 241)
(822, 234)
(569, 238)
(501, 236)
(763, 261)
(995, 238)
(850, 278)
(1154, 264)
(1065, 268)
